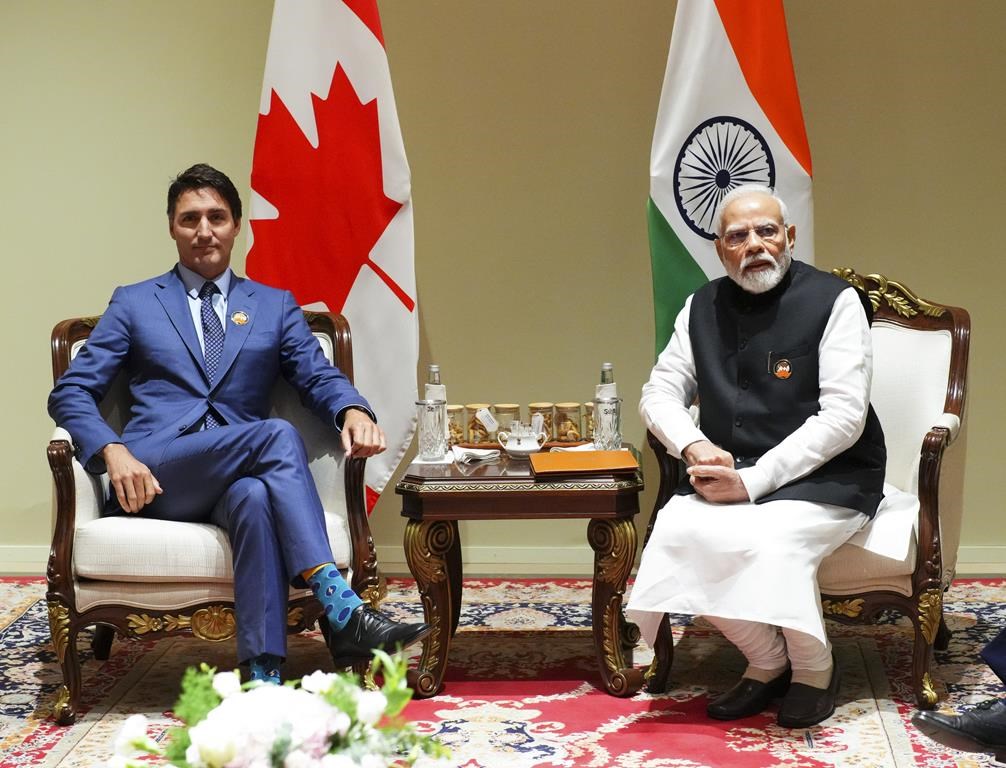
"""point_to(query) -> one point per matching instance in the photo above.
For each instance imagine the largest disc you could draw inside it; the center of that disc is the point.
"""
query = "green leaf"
(195, 701)
(396, 687)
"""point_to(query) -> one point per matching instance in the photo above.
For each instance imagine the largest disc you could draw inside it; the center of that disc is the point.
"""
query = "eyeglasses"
(738, 237)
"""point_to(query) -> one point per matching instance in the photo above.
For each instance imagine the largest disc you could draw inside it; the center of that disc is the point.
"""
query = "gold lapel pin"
(239, 318)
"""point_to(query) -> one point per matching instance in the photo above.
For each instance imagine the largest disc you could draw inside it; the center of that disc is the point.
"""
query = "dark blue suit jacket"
(148, 332)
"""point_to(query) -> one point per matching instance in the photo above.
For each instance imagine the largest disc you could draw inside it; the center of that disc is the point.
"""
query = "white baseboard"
(578, 561)
(981, 561)
(23, 559)
(575, 561)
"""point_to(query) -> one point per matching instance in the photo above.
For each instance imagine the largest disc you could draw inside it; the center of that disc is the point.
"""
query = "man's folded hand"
(718, 484)
(135, 485)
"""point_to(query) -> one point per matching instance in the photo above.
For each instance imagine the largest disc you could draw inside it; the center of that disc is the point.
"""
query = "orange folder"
(583, 463)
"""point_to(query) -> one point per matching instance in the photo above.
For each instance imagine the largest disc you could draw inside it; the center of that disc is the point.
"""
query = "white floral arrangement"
(324, 720)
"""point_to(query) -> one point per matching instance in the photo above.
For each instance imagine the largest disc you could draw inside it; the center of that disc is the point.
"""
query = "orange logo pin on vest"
(782, 369)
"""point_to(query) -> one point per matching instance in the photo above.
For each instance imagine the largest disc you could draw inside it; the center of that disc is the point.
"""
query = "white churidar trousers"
(745, 562)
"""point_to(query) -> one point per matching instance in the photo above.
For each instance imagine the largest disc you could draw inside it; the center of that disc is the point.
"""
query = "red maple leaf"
(331, 201)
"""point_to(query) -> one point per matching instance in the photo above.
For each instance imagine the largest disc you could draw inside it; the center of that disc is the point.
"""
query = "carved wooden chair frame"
(896, 304)
(212, 620)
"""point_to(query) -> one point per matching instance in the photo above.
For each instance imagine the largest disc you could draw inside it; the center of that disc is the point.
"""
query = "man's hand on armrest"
(361, 437)
(135, 486)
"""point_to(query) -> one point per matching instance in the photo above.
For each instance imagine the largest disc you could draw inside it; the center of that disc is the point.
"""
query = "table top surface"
(505, 473)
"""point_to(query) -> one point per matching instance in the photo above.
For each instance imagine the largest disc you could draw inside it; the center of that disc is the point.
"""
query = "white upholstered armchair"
(920, 364)
(146, 578)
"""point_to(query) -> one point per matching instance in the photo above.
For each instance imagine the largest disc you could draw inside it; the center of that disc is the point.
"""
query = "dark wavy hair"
(203, 176)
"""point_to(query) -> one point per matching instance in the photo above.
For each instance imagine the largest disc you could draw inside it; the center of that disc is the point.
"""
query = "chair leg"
(360, 669)
(922, 654)
(663, 655)
(942, 636)
(64, 641)
(101, 643)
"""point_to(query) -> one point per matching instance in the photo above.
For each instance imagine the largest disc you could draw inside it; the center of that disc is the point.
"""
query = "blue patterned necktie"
(213, 340)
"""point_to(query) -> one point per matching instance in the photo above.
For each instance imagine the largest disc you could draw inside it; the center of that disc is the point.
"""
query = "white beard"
(764, 279)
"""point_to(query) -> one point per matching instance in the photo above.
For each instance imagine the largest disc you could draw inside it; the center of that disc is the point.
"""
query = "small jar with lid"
(588, 420)
(547, 412)
(476, 431)
(455, 424)
(506, 414)
(567, 423)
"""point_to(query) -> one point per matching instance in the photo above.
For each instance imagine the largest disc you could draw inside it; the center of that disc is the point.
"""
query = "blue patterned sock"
(335, 595)
(265, 668)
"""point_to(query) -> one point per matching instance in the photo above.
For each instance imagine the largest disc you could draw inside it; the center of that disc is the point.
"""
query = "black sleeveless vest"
(756, 362)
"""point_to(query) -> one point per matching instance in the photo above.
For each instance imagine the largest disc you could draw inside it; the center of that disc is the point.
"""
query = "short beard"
(764, 279)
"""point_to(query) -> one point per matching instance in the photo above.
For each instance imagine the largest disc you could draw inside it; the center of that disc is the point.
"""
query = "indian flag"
(729, 115)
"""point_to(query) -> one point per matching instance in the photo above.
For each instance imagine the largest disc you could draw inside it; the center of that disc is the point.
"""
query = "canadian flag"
(331, 214)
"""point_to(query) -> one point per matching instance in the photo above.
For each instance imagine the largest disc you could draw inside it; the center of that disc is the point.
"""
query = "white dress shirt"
(193, 284)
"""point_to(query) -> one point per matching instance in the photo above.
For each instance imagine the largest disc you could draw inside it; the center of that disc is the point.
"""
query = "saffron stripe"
(767, 66)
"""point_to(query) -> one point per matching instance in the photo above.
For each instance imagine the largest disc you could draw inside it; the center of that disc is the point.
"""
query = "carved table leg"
(427, 544)
(455, 573)
(614, 545)
(64, 642)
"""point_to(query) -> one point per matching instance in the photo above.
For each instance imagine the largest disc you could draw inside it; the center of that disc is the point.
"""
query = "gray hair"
(742, 191)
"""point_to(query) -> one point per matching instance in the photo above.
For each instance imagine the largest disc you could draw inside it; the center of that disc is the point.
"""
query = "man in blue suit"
(202, 349)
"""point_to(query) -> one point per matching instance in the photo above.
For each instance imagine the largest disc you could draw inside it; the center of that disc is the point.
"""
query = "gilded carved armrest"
(364, 562)
(930, 464)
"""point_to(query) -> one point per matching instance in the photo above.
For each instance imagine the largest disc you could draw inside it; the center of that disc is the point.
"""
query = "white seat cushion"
(128, 548)
(851, 569)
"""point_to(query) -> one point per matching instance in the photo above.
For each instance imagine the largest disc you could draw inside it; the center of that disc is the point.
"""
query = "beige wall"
(528, 127)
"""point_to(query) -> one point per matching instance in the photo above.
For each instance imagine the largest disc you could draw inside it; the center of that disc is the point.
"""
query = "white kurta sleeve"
(671, 390)
(845, 370)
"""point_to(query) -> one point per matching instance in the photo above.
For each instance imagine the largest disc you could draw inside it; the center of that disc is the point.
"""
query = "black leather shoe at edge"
(805, 705)
(748, 697)
(367, 630)
(984, 725)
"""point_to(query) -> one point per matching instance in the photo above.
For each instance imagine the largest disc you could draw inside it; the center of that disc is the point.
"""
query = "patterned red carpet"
(522, 688)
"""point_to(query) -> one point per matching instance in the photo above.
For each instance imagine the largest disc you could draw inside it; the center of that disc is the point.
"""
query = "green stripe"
(675, 274)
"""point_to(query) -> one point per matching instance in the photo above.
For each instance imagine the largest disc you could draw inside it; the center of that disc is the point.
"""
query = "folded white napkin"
(471, 455)
(447, 458)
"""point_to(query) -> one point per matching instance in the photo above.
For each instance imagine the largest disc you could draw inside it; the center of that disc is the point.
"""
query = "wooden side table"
(436, 496)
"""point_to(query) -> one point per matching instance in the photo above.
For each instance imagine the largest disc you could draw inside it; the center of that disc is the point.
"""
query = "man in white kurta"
(785, 464)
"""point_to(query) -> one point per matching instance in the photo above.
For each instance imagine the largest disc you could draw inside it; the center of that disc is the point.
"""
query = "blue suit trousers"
(253, 481)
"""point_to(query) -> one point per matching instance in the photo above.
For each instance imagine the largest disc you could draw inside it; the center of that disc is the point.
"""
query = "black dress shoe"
(985, 725)
(805, 705)
(367, 630)
(748, 697)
